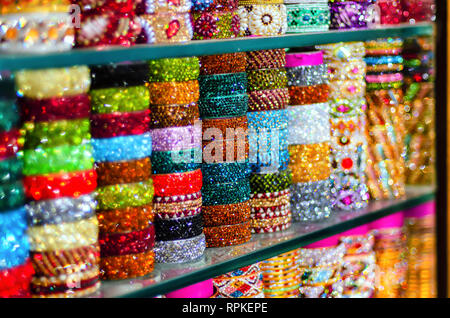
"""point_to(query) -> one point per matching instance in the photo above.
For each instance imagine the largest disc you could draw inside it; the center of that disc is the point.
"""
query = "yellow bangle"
(310, 162)
(31, 6)
(250, 2)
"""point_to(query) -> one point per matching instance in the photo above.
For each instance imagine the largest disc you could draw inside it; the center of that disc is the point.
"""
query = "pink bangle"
(384, 78)
(304, 59)
(203, 289)
(176, 138)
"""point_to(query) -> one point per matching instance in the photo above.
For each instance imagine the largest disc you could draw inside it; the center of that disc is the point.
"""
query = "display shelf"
(107, 55)
(217, 261)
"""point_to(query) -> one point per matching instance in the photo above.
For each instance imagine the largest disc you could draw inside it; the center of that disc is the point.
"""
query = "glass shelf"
(90, 56)
(217, 261)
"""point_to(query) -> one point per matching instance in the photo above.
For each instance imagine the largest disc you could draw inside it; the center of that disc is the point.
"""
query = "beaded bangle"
(236, 125)
(11, 195)
(276, 119)
(157, 6)
(180, 251)
(122, 148)
(65, 158)
(178, 229)
(270, 222)
(265, 20)
(14, 278)
(56, 133)
(176, 138)
(346, 107)
(305, 95)
(224, 172)
(119, 75)
(10, 169)
(307, 17)
(223, 106)
(62, 82)
(265, 79)
(263, 59)
(125, 220)
(384, 78)
(227, 235)
(163, 116)
(309, 162)
(214, 5)
(351, 70)
(66, 290)
(348, 89)
(174, 70)
(271, 182)
(268, 200)
(188, 212)
(52, 237)
(169, 93)
(123, 171)
(9, 114)
(127, 243)
(226, 193)
(165, 27)
(271, 211)
(311, 200)
(120, 124)
(179, 209)
(382, 86)
(217, 215)
(222, 64)
(119, 99)
(120, 196)
(272, 228)
(10, 143)
(215, 25)
(309, 124)
(348, 15)
(62, 210)
(176, 161)
(219, 85)
(177, 183)
(307, 75)
(343, 51)
(266, 100)
(127, 266)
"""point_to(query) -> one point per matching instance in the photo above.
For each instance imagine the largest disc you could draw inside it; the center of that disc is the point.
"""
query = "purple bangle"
(176, 138)
(348, 15)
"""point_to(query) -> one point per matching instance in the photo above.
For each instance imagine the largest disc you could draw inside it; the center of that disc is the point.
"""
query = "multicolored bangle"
(271, 225)
(309, 124)
(214, 5)
(119, 75)
(122, 148)
(163, 116)
(270, 199)
(123, 171)
(265, 79)
(266, 100)
(270, 182)
(215, 25)
(224, 126)
(314, 17)
(120, 196)
(307, 75)
(223, 106)
(120, 124)
(217, 215)
(384, 78)
(170, 93)
(176, 138)
(181, 208)
(177, 183)
(165, 27)
(311, 200)
(11, 169)
(10, 143)
(348, 70)
(219, 85)
(157, 6)
(176, 161)
(178, 229)
(223, 63)
(310, 162)
(125, 220)
(262, 20)
(224, 172)
(180, 251)
(119, 99)
(127, 266)
(114, 244)
(12, 195)
(35, 6)
(348, 89)
(347, 107)
(343, 51)
(227, 235)
(262, 59)
(174, 69)
(305, 95)
(226, 193)
(348, 15)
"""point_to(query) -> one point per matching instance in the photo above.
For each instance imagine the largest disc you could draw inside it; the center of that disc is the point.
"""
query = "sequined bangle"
(379, 60)
(276, 119)
(65, 158)
(307, 75)
(120, 124)
(16, 277)
(215, 25)
(165, 27)
(342, 51)
(348, 15)
(123, 171)
(163, 116)
(54, 237)
(180, 251)
(119, 99)
(262, 20)
(270, 182)
(169, 93)
(115, 244)
(266, 79)
(214, 5)
(348, 70)
(120, 75)
(305, 95)
(382, 86)
(176, 161)
(266, 100)
(10, 169)
(223, 106)
(178, 210)
(309, 162)
(10, 143)
(125, 220)
(122, 148)
(62, 82)
(347, 89)
(218, 85)
(10, 116)
(174, 69)
(266, 200)
(307, 17)
(217, 215)
(177, 183)
(226, 193)
(14, 248)
(127, 266)
(120, 196)
(224, 172)
(178, 229)
(62, 210)
(264, 59)
(156, 6)
(227, 235)
(314, 123)
(237, 125)
(270, 222)
(176, 138)
(222, 63)
(347, 107)
(311, 200)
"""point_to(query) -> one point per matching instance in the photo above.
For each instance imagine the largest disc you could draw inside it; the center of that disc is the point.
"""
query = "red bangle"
(55, 289)
(177, 183)
(127, 243)
(16, 292)
(269, 99)
(56, 108)
(53, 186)
(120, 124)
(9, 143)
(18, 277)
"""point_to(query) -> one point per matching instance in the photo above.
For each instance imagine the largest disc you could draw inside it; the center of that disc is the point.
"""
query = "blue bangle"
(372, 60)
(122, 148)
(270, 119)
(14, 245)
(225, 172)
(223, 106)
(222, 85)
(163, 161)
(226, 193)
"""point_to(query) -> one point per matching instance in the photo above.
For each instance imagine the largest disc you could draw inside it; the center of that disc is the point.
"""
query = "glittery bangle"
(263, 59)
(125, 220)
(163, 116)
(272, 228)
(384, 78)
(177, 183)
(127, 243)
(307, 75)
(348, 89)
(42, 285)
(120, 196)
(120, 124)
(378, 60)
(382, 86)
(262, 20)
(310, 162)
(178, 229)
(63, 236)
(180, 251)
(309, 124)
(266, 100)
(342, 51)
(12, 195)
(119, 99)
(347, 107)
(62, 82)
(268, 200)
(215, 25)
(311, 200)
(227, 235)
(10, 169)
(237, 125)
(157, 6)
(176, 138)
(270, 211)
(174, 69)
(14, 248)
(307, 17)
(66, 290)
(65, 158)
(180, 209)
(223, 106)
(226, 193)
(122, 148)
(13, 221)
(169, 93)
(9, 114)
(223, 150)
(351, 70)
(265, 79)
(276, 119)
(176, 161)
(222, 63)
(218, 85)
(217, 215)
(10, 143)
(62, 210)
(224, 172)
(120, 75)
(123, 171)
(165, 27)
(35, 6)
(384, 43)
(16, 277)
(270, 182)
(127, 266)
(270, 222)
(214, 5)
(348, 15)
(306, 95)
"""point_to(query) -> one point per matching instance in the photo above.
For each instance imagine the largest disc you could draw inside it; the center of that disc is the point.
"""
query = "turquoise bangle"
(9, 115)
(219, 85)
(226, 193)
(14, 246)
(163, 161)
(224, 172)
(12, 195)
(11, 169)
(223, 106)
(307, 18)
(271, 119)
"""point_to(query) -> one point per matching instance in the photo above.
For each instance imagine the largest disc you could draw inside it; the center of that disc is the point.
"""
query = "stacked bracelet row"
(307, 16)
(262, 17)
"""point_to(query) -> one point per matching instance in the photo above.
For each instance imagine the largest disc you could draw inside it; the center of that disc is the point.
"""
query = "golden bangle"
(250, 2)
(127, 266)
(176, 207)
(35, 6)
(310, 162)
(72, 294)
(166, 27)
(73, 278)
(256, 202)
(262, 223)
(169, 93)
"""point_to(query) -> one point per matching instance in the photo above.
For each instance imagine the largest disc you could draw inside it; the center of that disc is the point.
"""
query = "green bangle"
(119, 99)
(226, 193)
(223, 106)
(307, 18)
(12, 195)
(56, 133)
(9, 115)
(270, 182)
(65, 158)
(272, 78)
(219, 85)
(163, 161)
(120, 196)
(225, 172)
(174, 70)
(11, 169)
(391, 85)
(412, 63)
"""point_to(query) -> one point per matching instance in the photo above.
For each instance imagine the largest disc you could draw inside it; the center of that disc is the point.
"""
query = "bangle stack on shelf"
(60, 181)
(262, 17)
(244, 282)
(305, 16)
(281, 275)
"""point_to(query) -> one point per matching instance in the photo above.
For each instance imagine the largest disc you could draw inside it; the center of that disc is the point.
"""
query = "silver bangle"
(311, 201)
(307, 75)
(180, 251)
(309, 124)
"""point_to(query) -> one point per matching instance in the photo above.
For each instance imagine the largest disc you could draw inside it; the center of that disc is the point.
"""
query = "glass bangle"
(219, 85)
(263, 59)
(265, 79)
(119, 99)
(12, 195)
(223, 106)
(136, 242)
(311, 200)
(307, 75)
(226, 193)
(176, 161)
(174, 69)
(120, 124)
(224, 172)
(9, 114)
(11, 169)
(163, 116)
(271, 182)
(120, 196)
(127, 266)
(177, 183)
(169, 93)
(222, 63)
(122, 148)
(178, 229)
(125, 220)
(180, 251)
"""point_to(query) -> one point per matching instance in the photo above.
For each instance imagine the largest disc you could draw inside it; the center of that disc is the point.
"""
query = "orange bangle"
(222, 63)
(222, 124)
(306, 95)
(169, 93)
(174, 115)
(109, 173)
(127, 266)
(216, 215)
(227, 235)
(310, 162)
(129, 219)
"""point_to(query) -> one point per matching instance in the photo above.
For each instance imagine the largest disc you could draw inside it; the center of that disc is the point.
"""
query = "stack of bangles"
(176, 159)
(245, 282)
(356, 14)
(262, 17)
(120, 121)
(59, 181)
(309, 135)
(307, 16)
